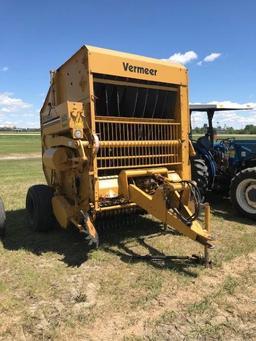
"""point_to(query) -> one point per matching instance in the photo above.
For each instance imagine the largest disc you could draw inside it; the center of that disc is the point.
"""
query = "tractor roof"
(218, 107)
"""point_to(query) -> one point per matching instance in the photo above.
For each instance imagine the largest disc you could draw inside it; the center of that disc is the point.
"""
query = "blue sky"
(37, 36)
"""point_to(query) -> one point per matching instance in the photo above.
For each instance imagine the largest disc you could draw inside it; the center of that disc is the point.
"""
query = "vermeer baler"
(115, 136)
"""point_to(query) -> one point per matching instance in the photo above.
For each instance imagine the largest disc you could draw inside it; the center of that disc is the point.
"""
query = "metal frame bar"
(134, 84)
(137, 120)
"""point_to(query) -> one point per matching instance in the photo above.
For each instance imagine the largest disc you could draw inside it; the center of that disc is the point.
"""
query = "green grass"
(52, 286)
(19, 144)
(20, 170)
(26, 143)
(15, 178)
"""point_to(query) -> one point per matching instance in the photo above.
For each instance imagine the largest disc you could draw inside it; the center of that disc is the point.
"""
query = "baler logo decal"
(139, 69)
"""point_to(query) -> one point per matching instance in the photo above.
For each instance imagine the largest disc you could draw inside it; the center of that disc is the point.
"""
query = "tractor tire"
(200, 175)
(39, 208)
(243, 192)
(2, 219)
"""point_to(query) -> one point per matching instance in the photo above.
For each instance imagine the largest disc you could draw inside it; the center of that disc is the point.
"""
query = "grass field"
(52, 287)
(14, 144)
(19, 144)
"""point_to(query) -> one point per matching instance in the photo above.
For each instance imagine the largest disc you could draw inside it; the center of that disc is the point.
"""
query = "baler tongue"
(169, 202)
(156, 206)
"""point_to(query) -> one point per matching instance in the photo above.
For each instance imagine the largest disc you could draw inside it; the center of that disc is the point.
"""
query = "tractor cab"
(226, 165)
(217, 153)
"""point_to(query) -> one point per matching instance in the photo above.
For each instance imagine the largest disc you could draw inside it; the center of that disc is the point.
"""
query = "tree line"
(249, 129)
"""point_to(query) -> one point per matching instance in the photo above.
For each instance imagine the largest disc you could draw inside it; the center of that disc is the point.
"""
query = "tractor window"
(199, 124)
(131, 101)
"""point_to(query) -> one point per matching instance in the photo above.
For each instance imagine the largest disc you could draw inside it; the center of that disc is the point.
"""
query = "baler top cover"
(105, 61)
(71, 79)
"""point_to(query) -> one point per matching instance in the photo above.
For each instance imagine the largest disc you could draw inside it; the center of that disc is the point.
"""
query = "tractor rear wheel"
(39, 208)
(200, 174)
(2, 219)
(243, 192)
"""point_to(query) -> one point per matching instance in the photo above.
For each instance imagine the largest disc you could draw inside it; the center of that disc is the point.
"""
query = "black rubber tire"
(2, 219)
(200, 174)
(248, 173)
(39, 208)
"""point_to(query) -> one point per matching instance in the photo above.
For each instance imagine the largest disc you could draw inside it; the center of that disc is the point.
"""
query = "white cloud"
(17, 112)
(187, 57)
(182, 58)
(236, 119)
(209, 58)
(9, 104)
(4, 69)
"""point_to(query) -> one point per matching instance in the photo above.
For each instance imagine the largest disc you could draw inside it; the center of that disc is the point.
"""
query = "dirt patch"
(172, 309)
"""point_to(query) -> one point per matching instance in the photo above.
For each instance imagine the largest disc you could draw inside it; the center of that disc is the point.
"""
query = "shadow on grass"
(156, 258)
(139, 230)
(114, 235)
(117, 233)
(68, 243)
(221, 207)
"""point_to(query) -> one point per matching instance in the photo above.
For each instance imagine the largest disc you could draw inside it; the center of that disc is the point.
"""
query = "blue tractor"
(226, 165)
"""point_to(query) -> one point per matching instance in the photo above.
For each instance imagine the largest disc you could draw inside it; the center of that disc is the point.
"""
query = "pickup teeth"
(119, 211)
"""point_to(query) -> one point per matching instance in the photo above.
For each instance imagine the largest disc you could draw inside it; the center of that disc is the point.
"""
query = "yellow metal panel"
(108, 187)
(63, 211)
(120, 64)
(156, 206)
(137, 120)
(125, 174)
(72, 78)
(65, 116)
(56, 158)
(93, 165)
(93, 50)
(185, 172)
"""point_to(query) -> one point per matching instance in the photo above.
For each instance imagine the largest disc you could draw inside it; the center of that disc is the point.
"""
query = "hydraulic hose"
(195, 196)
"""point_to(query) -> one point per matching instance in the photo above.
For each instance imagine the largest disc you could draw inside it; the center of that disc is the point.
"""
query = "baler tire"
(238, 199)
(39, 208)
(200, 174)
(2, 219)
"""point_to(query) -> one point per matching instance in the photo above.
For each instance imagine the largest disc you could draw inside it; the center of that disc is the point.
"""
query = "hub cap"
(246, 195)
